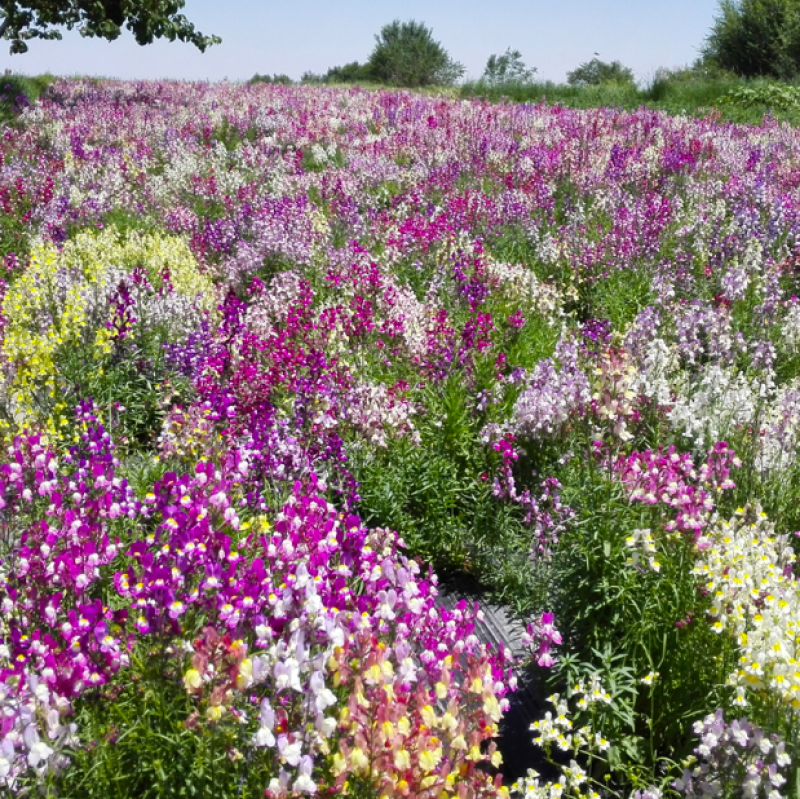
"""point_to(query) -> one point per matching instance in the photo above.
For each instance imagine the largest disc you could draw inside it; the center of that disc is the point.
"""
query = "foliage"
(348, 73)
(700, 92)
(597, 73)
(507, 68)
(406, 54)
(17, 92)
(281, 80)
(41, 19)
(756, 37)
(772, 95)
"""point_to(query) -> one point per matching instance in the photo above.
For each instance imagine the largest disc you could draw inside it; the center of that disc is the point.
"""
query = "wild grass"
(19, 91)
(693, 96)
(729, 98)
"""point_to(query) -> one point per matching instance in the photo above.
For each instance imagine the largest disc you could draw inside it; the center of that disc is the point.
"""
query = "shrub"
(349, 73)
(507, 68)
(406, 54)
(281, 80)
(772, 95)
(756, 37)
(597, 73)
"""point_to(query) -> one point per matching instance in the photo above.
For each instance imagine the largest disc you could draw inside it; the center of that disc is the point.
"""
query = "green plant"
(19, 91)
(141, 743)
(440, 495)
(597, 73)
(41, 19)
(279, 79)
(406, 54)
(507, 68)
(652, 614)
(772, 95)
(756, 37)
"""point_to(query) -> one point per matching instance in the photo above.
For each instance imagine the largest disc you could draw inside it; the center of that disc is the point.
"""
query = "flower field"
(273, 358)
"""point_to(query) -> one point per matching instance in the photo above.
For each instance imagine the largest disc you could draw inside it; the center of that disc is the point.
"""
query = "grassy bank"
(733, 99)
(19, 91)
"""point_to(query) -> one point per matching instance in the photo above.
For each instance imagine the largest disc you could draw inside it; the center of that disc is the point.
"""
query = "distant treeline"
(748, 39)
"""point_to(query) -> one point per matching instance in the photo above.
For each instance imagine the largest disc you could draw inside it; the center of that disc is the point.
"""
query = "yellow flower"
(448, 722)
(245, 677)
(358, 760)
(491, 707)
(402, 760)
(429, 716)
(192, 680)
(430, 758)
(373, 674)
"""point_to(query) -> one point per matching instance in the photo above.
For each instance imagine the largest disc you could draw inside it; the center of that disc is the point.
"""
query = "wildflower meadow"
(277, 363)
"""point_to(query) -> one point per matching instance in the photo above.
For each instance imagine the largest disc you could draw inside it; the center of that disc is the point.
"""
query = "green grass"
(18, 91)
(733, 99)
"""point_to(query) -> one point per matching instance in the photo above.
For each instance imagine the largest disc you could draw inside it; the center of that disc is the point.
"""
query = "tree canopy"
(597, 72)
(406, 54)
(756, 37)
(507, 68)
(23, 20)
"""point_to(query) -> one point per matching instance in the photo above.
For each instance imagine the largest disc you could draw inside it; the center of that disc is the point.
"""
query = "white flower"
(290, 752)
(39, 752)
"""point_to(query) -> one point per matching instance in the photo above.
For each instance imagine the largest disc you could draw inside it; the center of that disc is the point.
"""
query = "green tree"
(22, 20)
(281, 80)
(349, 73)
(756, 37)
(597, 72)
(507, 68)
(406, 54)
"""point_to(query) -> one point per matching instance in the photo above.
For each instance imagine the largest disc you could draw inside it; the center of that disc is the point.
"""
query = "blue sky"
(292, 37)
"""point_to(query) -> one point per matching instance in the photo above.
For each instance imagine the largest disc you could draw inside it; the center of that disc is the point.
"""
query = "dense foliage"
(23, 20)
(268, 354)
(597, 72)
(406, 54)
(508, 68)
(756, 37)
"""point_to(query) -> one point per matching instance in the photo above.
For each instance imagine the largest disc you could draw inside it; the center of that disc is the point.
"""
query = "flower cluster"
(643, 547)
(551, 395)
(557, 730)
(59, 641)
(670, 478)
(735, 758)
(301, 294)
(277, 614)
(747, 572)
(99, 289)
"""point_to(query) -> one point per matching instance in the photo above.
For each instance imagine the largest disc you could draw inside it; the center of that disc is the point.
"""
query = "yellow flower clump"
(152, 251)
(47, 309)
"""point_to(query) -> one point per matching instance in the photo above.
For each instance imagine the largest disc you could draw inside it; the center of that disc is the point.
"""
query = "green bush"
(772, 95)
(756, 37)
(282, 80)
(406, 54)
(508, 68)
(349, 73)
(598, 73)
(19, 91)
